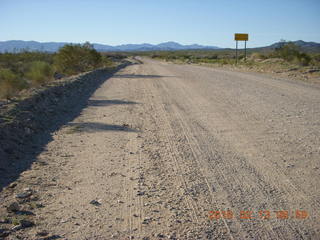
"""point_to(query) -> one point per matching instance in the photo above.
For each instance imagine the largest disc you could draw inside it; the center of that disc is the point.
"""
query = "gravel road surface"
(165, 151)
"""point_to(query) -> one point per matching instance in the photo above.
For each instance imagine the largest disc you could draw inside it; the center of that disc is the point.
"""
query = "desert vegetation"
(72, 59)
(287, 53)
(286, 59)
(26, 69)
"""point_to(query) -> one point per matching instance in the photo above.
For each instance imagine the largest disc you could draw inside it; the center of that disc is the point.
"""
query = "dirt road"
(160, 145)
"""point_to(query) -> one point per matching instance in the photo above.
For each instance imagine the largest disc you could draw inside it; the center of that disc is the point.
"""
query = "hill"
(304, 46)
(19, 45)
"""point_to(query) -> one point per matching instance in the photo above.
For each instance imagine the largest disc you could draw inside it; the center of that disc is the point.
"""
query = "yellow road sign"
(241, 36)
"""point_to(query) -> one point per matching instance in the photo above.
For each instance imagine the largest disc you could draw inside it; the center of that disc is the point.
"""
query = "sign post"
(241, 37)
(236, 51)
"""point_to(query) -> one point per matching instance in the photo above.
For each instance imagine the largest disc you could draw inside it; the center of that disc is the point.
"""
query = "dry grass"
(40, 73)
(9, 84)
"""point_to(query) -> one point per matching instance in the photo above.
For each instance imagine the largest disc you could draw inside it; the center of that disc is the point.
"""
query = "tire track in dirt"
(199, 106)
(164, 124)
(195, 166)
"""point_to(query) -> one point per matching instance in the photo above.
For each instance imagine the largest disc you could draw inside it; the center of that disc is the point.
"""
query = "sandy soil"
(160, 145)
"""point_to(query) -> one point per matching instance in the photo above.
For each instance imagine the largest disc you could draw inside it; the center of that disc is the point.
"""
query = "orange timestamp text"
(261, 214)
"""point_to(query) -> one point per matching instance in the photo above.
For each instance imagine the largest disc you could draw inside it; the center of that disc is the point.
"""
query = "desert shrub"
(73, 59)
(291, 53)
(14, 68)
(315, 60)
(106, 61)
(258, 56)
(40, 73)
(287, 51)
(316, 57)
(303, 59)
(10, 84)
(19, 63)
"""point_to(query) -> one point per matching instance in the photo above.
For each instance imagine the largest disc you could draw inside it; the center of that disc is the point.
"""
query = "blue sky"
(207, 22)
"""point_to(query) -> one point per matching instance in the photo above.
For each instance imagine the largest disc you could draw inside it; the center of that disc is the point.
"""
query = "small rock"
(4, 233)
(4, 220)
(42, 233)
(24, 194)
(147, 220)
(313, 70)
(16, 228)
(34, 198)
(12, 185)
(39, 205)
(13, 207)
(140, 193)
(58, 75)
(173, 236)
(95, 202)
(135, 215)
(26, 223)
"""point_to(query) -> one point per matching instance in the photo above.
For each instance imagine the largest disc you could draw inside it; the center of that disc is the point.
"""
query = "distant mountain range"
(18, 45)
(305, 46)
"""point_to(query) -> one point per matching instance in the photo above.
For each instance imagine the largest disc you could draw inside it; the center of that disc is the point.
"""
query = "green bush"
(315, 60)
(291, 53)
(106, 61)
(73, 59)
(19, 63)
(303, 59)
(287, 51)
(316, 57)
(40, 73)
(10, 84)
(16, 66)
(21, 70)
